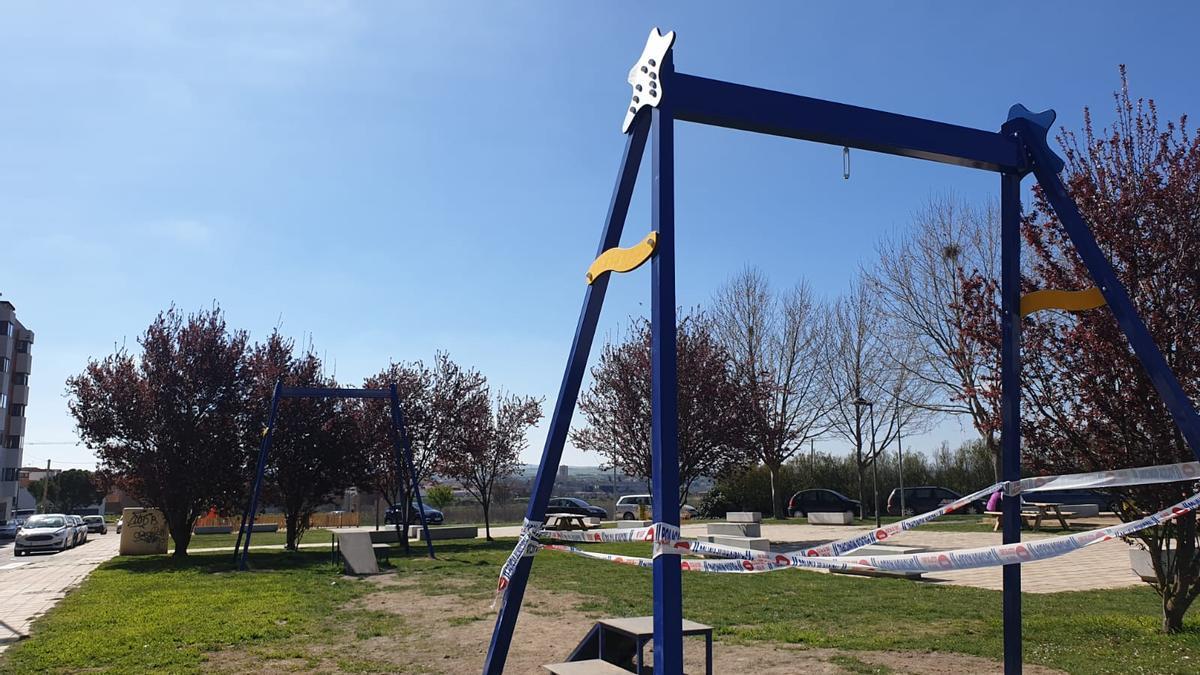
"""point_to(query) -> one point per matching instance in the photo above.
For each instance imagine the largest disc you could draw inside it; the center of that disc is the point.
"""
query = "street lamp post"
(859, 402)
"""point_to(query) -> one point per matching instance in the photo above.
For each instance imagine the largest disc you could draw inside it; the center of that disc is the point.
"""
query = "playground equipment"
(400, 443)
(660, 96)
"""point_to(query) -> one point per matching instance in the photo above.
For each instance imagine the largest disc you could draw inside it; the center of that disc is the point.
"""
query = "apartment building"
(16, 343)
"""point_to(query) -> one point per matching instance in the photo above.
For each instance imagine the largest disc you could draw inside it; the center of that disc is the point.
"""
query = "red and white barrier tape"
(667, 540)
(753, 561)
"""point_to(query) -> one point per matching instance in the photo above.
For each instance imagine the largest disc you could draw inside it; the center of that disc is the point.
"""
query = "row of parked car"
(53, 532)
(924, 498)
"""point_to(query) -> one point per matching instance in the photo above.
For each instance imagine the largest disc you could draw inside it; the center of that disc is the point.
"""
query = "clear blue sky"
(396, 178)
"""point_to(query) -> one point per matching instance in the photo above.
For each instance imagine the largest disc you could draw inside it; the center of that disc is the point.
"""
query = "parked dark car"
(575, 506)
(925, 498)
(821, 501)
(8, 529)
(1105, 501)
(395, 517)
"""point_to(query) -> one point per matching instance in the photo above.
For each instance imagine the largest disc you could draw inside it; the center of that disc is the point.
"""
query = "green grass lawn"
(202, 541)
(157, 614)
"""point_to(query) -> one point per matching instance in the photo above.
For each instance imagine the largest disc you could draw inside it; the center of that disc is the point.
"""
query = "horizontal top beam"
(737, 106)
(323, 392)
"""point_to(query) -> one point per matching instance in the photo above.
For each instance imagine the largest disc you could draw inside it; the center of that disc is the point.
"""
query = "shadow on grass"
(220, 562)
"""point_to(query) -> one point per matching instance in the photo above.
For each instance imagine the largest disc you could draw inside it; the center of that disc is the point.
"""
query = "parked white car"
(628, 508)
(45, 532)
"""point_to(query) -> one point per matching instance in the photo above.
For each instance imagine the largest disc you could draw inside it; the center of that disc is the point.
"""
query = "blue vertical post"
(664, 397)
(403, 449)
(265, 447)
(564, 406)
(1010, 404)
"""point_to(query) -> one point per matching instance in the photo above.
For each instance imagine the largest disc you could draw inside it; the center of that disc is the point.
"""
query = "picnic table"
(565, 521)
(1033, 513)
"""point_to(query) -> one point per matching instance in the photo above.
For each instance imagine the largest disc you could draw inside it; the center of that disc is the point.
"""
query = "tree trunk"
(997, 458)
(1177, 576)
(291, 520)
(487, 523)
(862, 492)
(180, 527)
(776, 506)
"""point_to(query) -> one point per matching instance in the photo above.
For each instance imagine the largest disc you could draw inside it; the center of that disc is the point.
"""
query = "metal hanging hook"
(846, 162)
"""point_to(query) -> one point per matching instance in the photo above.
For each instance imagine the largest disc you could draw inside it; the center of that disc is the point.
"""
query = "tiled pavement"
(32, 584)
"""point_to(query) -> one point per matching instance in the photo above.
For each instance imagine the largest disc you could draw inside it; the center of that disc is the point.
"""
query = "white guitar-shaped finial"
(643, 77)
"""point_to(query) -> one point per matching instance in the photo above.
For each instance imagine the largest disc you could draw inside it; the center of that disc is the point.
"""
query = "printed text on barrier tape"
(751, 561)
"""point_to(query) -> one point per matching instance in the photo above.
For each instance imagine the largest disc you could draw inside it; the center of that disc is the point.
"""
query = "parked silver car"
(45, 532)
(81, 529)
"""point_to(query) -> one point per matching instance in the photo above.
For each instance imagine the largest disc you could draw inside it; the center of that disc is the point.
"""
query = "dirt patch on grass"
(401, 628)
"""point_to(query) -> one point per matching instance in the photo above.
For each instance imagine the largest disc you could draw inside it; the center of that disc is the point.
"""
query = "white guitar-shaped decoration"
(644, 75)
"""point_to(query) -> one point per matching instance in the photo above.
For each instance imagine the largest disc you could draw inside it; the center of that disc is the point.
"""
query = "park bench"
(1032, 514)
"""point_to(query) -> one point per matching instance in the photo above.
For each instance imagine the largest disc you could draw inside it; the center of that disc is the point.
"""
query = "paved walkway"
(32, 584)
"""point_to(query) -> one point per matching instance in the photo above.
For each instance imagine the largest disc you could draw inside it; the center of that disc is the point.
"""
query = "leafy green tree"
(439, 496)
(76, 489)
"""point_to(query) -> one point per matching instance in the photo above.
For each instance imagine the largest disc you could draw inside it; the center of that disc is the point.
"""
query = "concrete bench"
(743, 517)
(217, 529)
(263, 527)
(449, 532)
(591, 521)
(756, 543)
(831, 518)
(623, 524)
(736, 529)
(884, 549)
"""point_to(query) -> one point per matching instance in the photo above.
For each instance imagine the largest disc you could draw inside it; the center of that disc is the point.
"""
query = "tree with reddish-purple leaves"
(313, 455)
(488, 448)
(1087, 403)
(437, 402)
(167, 423)
(714, 410)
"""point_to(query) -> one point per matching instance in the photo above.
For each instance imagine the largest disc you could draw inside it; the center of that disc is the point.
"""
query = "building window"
(16, 410)
(20, 378)
(10, 474)
(3, 364)
(3, 400)
(13, 442)
(6, 328)
(23, 346)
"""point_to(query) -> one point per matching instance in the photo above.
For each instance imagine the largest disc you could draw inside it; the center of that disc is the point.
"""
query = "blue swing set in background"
(660, 97)
(400, 444)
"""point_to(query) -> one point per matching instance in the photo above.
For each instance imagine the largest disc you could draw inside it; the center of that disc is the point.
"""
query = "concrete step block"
(622, 524)
(736, 529)
(756, 543)
(743, 517)
(834, 518)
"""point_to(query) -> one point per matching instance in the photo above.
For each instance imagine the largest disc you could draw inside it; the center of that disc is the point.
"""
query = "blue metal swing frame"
(1018, 149)
(400, 443)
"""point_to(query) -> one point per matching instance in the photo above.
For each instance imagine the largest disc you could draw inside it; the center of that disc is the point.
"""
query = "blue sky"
(394, 179)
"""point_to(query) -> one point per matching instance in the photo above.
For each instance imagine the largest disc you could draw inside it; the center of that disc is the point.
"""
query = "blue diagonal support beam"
(568, 393)
(1045, 167)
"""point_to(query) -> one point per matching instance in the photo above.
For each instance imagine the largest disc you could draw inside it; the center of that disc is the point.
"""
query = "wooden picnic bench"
(565, 521)
(1032, 515)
